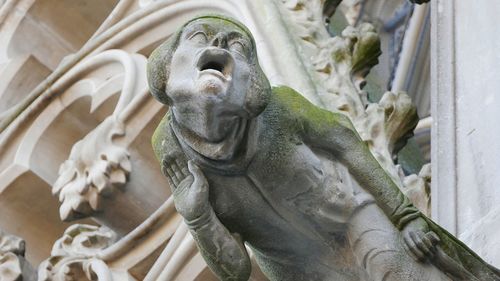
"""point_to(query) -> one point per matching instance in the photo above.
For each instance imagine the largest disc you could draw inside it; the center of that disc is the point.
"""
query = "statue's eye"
(238, 47)
(199, 37)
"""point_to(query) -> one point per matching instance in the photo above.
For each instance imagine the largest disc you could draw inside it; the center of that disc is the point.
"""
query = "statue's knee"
(382, 264)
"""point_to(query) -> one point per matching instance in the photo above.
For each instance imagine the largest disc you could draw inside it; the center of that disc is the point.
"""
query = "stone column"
(466, 135)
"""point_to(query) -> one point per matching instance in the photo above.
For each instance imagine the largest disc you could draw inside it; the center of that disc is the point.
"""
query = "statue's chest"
(285, 187)
(242, 208)
(304, 185)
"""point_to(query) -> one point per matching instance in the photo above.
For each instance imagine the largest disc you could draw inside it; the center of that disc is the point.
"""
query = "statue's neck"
(213, 147)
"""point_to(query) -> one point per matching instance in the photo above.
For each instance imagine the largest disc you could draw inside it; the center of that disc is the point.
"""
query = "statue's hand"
(419, 241)
(190, 190)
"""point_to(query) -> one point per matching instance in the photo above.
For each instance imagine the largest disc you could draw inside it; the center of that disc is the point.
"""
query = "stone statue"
(250, 164)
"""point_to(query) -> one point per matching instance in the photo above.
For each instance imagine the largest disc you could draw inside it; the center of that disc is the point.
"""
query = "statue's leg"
(300, 269)
(378, 247)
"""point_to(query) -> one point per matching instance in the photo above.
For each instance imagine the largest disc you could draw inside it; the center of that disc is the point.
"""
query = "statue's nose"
(220, 40)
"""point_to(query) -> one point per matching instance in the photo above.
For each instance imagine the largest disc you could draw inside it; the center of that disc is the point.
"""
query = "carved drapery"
(84, 132)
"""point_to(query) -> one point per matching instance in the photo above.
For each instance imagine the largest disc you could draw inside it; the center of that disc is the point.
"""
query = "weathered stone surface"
(46, 108)
(250, 164)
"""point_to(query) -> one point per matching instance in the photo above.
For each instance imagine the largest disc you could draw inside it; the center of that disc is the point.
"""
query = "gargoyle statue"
(250, 164)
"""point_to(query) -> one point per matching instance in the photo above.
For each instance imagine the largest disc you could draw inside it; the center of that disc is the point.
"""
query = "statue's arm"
(343, 141)
(333, 132)
(224, 252)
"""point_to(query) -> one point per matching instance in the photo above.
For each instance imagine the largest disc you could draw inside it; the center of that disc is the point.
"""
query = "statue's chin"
(212, 82)
(210, 88)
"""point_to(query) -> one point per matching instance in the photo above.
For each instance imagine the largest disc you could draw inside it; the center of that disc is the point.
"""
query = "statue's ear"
(158, 68)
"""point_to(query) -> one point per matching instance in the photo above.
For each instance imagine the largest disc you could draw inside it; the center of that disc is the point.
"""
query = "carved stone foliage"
(97, 166)
(383, 127)
(11, 247)
(418, 187)
(339, 66)
(74, 256)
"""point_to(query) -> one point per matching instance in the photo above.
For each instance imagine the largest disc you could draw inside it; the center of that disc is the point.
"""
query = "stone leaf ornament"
(11, 248)
(96, 167)
(74, 256)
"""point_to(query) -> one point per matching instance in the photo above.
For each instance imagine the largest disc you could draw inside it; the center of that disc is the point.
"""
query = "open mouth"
(216, 61)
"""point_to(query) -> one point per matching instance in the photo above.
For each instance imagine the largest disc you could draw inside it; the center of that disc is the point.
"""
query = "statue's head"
(209, 69)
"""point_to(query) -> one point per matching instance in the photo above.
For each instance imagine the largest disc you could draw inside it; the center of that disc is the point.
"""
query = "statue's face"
(210, 75)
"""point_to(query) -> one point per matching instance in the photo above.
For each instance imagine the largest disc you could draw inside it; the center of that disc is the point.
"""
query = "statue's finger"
(414, 248)
(433, 237)
(171, 176)
(407, 248)
(199, 178)
(417, 236)
(169, 171)
(170, 183)
(177, 172)
(432, 248)
(183, 167)
(428, 242)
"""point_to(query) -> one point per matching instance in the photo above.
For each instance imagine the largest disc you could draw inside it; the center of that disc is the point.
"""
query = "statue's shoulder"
(159, 137)
(296, 106)
(165, 144)
(291, 101)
